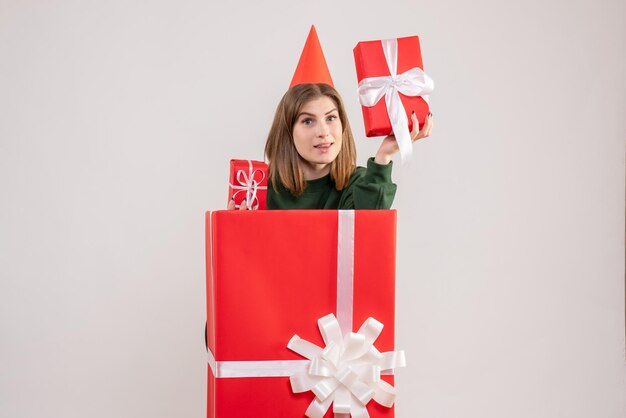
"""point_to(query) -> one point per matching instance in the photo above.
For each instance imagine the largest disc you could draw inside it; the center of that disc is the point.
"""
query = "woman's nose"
(323, 130)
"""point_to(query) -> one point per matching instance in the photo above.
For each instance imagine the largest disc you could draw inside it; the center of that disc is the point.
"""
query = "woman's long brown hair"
(284, 160)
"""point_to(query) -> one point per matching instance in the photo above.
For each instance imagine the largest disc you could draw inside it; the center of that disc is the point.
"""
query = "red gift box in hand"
(392, 85)
(248, 180)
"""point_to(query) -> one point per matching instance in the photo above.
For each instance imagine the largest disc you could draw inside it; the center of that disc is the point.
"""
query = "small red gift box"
(248, 180)
(272, 274)
(376, 59)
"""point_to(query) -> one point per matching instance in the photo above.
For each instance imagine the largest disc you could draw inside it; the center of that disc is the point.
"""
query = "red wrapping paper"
(237, 181)
(370, 62)
(272, 274)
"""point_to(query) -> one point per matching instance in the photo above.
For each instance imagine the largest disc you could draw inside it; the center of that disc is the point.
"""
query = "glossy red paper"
(273, 274)
(370, 62)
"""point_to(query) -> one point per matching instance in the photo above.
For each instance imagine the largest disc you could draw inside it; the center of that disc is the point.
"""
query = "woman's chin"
(325, 158)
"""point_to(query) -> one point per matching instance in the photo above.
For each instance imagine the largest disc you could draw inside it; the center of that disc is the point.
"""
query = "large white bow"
(346, 373)
(413, 82)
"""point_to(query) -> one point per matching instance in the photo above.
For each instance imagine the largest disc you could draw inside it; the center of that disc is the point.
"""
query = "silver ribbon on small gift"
(248, 185)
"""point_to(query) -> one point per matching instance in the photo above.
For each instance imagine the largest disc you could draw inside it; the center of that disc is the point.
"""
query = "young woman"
(312, 156)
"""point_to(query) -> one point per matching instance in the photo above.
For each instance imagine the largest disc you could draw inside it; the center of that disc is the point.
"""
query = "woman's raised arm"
(389, 146)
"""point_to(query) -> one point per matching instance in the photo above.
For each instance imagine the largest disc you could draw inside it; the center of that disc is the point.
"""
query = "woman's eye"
(331, 118)
(307, 121)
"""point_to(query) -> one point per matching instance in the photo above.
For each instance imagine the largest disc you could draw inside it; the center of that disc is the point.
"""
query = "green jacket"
(369, 188)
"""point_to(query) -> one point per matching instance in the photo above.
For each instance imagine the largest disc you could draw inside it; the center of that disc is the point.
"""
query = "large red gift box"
(370, 61)
(248, 180)
(273, 274)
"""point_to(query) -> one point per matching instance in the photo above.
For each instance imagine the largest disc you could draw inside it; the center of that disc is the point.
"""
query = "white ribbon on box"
(413, 82)
(346, 373)
(249, 185)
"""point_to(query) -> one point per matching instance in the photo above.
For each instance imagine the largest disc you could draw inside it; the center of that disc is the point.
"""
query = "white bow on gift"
(346, 373)
(413, 82)
(248, 185)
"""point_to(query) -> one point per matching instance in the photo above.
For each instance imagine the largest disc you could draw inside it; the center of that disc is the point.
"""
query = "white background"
(117, 123)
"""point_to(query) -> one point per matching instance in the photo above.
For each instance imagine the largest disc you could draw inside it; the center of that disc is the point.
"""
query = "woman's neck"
(314, 171)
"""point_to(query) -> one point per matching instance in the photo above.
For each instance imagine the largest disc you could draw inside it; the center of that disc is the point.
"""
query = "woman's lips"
(324, 148)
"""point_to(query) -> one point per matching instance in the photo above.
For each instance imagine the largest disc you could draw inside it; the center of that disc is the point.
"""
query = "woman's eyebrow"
(334, 109)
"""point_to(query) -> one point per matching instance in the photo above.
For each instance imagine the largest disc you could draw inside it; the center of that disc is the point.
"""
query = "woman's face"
(317, 136)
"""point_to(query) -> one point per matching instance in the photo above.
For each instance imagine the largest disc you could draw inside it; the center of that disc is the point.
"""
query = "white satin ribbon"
(345, 269)
(249, 185)
(413, 82)
(346, 372)
(267, 368)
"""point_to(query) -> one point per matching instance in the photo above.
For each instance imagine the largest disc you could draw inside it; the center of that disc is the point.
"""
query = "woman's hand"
(242, 206)
(389, 145)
